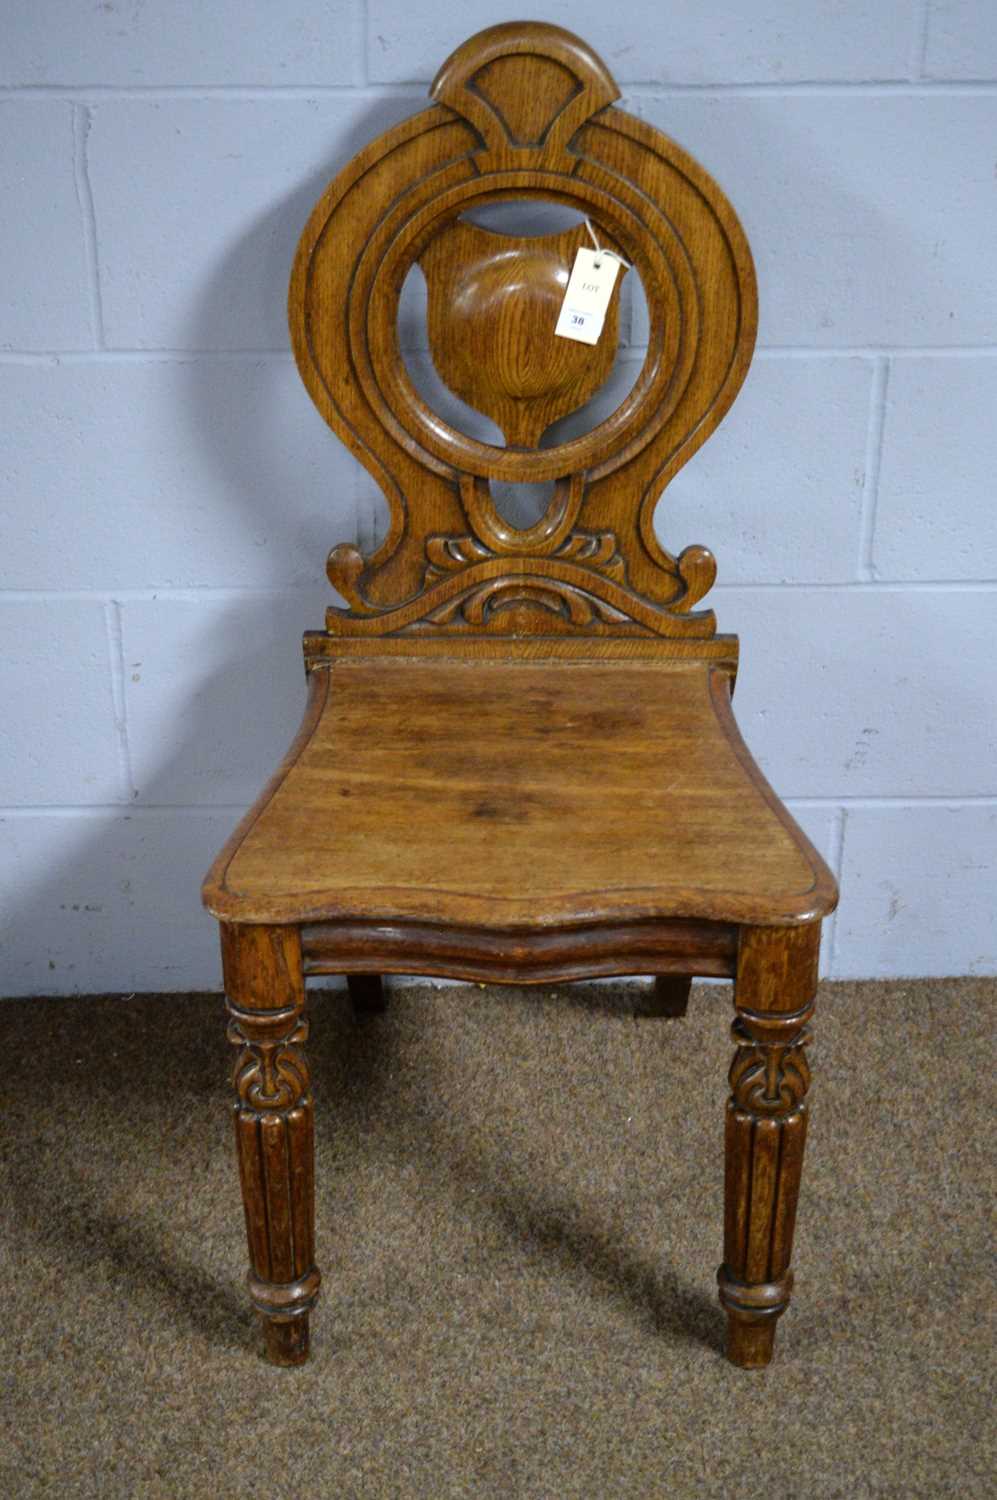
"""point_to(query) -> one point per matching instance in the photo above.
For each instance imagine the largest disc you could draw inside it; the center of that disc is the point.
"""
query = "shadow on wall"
(214, 686)
(120, 910)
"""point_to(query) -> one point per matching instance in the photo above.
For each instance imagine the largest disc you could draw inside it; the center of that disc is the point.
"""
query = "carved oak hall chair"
(518, 760)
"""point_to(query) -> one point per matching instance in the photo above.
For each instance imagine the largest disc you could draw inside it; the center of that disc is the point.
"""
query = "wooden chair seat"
(420, 791)
(518, 760)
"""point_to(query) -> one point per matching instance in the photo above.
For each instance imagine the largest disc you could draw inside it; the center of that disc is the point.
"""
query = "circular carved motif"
(494, 300)
(671, 345)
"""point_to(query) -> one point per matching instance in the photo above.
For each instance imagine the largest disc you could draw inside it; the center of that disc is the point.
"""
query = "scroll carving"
(583, 582)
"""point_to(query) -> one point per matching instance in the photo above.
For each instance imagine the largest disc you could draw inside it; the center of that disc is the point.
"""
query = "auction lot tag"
(586, 299)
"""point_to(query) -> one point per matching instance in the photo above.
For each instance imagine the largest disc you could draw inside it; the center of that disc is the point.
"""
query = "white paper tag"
(586, 299)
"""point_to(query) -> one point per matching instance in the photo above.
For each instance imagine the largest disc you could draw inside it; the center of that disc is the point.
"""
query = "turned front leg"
(274, 1130)
(766, 1132)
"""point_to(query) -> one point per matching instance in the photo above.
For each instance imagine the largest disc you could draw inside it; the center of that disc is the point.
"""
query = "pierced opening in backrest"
(475, 325)
(524, 218)
(522, 505)
(608, 398)
(413, 339)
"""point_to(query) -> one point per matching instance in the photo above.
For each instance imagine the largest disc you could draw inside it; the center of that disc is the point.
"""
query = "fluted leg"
(367, 995)
(766, 1132)
(274, 1130)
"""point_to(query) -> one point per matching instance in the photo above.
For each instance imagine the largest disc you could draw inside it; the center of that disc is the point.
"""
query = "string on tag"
(604, 250)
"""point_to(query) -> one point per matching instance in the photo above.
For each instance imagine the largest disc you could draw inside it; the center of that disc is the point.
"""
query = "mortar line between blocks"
(919, 40)
(887, 803)
(208, 809)
(836, 861)
(124, 810)
(220, 593)
(871, 88)
(88, 219)
(873, 461)
(116, 648)
(85, 93)
(861, 585)
(629, 354)
(364, 23)
(213, 593)
(88, 93)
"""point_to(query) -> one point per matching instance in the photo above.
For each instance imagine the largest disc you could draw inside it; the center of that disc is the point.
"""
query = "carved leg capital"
(274, 1130)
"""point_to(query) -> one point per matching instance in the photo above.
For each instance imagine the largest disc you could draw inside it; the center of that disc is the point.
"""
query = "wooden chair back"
(522, 111)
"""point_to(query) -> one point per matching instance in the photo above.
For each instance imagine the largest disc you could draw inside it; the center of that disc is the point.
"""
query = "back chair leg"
(367, 995)
(766, 1131)
(667, 997)
(264, 985)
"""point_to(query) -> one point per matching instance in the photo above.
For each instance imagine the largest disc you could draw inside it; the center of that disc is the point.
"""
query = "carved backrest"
(522, 111)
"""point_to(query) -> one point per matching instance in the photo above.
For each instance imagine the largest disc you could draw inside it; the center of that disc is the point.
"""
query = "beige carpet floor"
(519, 1224)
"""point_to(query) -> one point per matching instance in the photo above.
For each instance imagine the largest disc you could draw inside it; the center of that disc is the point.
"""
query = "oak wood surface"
(521, 956)
(493, 299)
(503, 794)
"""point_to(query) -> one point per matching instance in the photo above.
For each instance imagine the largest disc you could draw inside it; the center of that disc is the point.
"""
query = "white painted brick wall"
(174, 473)
(773, 508)
(45, 289)
(869, 211)
(169, 493)
(704, 42)
(938, 479)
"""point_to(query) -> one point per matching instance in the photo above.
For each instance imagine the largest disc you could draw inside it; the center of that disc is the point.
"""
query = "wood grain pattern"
(427, 790)
(518, 761)
(493, 301)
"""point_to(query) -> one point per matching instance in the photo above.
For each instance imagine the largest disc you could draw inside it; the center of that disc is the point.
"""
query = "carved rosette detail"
(271, 1072)
(769, 1078)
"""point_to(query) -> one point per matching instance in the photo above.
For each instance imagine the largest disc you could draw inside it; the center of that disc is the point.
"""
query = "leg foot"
(367, 994)
(286, 1343)
(750, 1345)
(668, 997)
(274, 1130)
(752, 1313)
